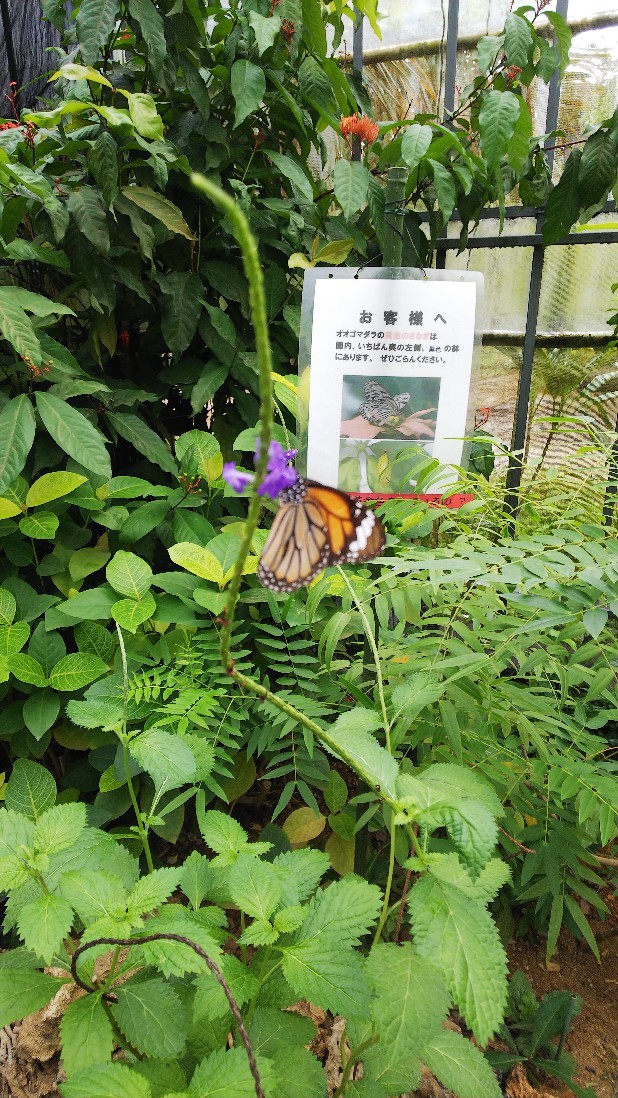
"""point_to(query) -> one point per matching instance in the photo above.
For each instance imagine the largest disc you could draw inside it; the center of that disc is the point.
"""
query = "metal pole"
(357, 69)
(612, 483)
(515, 469)
(450, 73)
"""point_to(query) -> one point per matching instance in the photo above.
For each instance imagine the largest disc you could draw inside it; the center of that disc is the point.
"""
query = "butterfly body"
(381, 408)
(315, 527)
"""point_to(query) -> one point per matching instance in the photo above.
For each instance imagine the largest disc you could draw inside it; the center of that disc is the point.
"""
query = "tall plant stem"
(376, 657)
(143, 832)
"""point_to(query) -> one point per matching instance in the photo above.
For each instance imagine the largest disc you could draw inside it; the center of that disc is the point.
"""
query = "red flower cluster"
(362, 127)
(511, 74)
(288, 29)
(35, 371)
(123, 339)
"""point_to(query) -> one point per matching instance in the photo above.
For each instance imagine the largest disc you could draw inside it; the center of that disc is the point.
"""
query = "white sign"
(390, 355)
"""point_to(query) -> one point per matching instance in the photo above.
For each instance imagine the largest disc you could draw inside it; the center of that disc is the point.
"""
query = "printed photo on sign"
(376, 467)
(386, 357)
(389, 407)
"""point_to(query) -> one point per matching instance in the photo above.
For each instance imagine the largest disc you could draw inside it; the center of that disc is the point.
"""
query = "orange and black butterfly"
(316, 526)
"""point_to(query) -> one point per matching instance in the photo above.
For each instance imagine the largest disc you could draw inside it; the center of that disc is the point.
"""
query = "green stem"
(124, 738)
(389, 885)
(374, 648)
(354, 1057)
(259, 319)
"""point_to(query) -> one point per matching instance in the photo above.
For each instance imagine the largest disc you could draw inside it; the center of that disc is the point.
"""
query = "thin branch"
(162, 937)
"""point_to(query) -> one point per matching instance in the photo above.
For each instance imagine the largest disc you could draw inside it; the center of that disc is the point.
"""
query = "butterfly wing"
(316, 526)
(296, 549)
(401, 400)
(379, 406)
(355, 534)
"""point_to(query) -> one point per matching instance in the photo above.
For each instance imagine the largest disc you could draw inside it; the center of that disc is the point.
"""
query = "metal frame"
(531, 337)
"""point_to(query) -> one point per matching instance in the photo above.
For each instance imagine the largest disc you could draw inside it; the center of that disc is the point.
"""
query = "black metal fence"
(533, 240)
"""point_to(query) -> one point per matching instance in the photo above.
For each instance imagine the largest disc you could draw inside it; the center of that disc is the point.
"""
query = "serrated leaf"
(160, 208)
(143, 439)
(459, 936)
(210, 1001)
(31, 790)
(17, 426)
(94, 895)
(86, 1034)
(254, 887)
(497, 120)
(248, 88)
(96, 19)
(168, 760)
(346, 910)
(359, 749)
(59, 827)
(223, 835)
(152, 1017)
(152, 890)
(22, 992)
(226, 1074)
(74, 433)
(415, 142)
(194, 878)
(351, 184)
(327, 975)
(107, 1081)
(460, 1066)
(52, 486)
(409, 1006)
(44, 923)
(76, 670)
(42, 524)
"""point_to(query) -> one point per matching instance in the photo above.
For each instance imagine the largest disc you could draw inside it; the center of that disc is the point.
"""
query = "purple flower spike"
(277, 480)
(236, 478)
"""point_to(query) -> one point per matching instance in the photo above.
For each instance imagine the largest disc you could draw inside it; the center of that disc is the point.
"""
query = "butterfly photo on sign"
(389, 407)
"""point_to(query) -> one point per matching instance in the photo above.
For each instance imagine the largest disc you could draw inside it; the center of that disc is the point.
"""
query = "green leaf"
(143, 439)
(555, 923)
(83, 562)
(563, 37)
(519, 145)
(16, 327)
(200, 562)
(207, 386)
(103, 163)
(130, 614)
(409, 1006)
(563, 206)
(195, 878)
(266, 28)
(460, 1066)
(595, 620)
(74, 433)
(40, 712)
(129, 574)
(497, 120)
(327, 975)
(96, 20)
(94, 895)
(90, 216)
(152, 1017)
(292, 170)
(86, 1035)
(8, 607)
(153, 31)
(52, 486)
(582, 924)
(17, 426)
(168, 760)
(130, 488)
(458, 936)
(92, 605)
(31, 790)
(487, 50)
(26, 669)
(59, 827)
(42, 525)
(248, 88)
(147, 122)
(351, 179)
(160, 208)
(517, 40)
(415, 142)
(107, 1081)
(359, 749)
(226, 1074)
(598, 167)
(200, 454)
(254, 887)
(445, 189)
(210, 1001)
(550, 1019)
(182, 308)
(314, 27)
(24, 992)
(152, 890)
(144, 519)
(76, 670)
(44, 924)
(223, 835)
(13, 638)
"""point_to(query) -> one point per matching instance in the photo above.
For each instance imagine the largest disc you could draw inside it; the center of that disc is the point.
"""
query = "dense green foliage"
(407, 706)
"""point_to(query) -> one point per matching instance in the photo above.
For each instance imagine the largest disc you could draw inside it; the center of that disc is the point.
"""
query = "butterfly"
(380, 405)
(316, 526)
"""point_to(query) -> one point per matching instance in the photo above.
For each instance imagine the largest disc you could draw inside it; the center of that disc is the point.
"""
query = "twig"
(404, 896)
(526, 849)
(162, 937)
